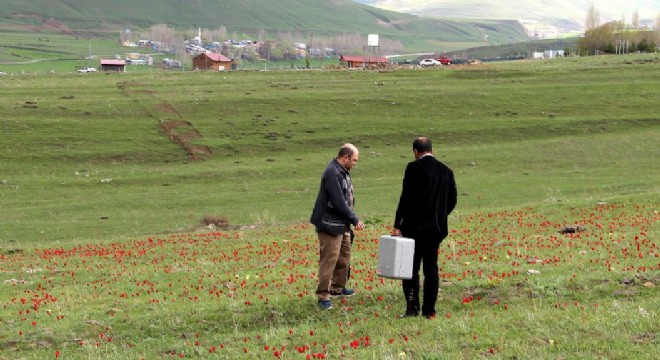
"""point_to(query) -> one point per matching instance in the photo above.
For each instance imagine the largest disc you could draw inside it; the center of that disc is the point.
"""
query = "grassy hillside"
(536, 10)
(537, 132)
(250, 16)
(25, 52)
(515, 51)
(105, 180)
(542, 18)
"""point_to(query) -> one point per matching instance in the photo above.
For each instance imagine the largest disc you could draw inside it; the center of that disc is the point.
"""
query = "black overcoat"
(428, 196)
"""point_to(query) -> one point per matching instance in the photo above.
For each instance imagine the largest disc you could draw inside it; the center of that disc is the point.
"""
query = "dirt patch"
(641, 280)
(183, 133)
(168, 108)
(644, 338)
(172, 124)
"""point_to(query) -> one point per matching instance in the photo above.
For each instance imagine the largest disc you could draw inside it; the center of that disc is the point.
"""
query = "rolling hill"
(315, 17)
(558, 15)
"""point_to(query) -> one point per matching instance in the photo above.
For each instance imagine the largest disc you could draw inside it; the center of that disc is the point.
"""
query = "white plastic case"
(395, 257)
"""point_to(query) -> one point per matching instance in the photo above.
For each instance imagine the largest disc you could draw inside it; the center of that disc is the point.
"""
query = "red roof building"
(212, 61)
(352, 61)
(113, 65)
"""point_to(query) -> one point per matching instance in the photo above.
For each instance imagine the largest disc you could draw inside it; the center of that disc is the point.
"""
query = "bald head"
(423, 145)
(348, 156)
(347, 149)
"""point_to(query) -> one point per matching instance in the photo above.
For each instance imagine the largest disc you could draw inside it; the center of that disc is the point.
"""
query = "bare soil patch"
(168, 108)
(183, 133)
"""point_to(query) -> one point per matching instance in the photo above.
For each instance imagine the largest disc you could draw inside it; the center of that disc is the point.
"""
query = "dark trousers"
(426, 256)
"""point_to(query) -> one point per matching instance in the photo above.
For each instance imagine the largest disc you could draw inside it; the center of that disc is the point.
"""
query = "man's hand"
(396, 232)
(359, 226)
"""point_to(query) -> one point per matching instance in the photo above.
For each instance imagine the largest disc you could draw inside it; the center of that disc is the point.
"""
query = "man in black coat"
(428, 196)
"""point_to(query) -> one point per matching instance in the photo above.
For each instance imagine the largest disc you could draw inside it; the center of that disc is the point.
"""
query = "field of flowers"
(552, 282)
(553, 250)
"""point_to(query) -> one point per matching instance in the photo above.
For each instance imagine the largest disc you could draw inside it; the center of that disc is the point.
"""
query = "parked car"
(87, 69)
(429, 62)
(444, 60)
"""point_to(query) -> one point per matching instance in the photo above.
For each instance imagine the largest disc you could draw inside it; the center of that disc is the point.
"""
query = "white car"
(87, 69)
(429, 62)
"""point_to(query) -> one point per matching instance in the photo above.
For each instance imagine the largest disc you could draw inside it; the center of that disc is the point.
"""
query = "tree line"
(617, 37)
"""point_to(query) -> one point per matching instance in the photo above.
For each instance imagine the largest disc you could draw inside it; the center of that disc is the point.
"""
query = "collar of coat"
(340, 166)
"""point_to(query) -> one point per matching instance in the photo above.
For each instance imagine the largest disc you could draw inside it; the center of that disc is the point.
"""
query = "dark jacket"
(332, 211)
(427, 198)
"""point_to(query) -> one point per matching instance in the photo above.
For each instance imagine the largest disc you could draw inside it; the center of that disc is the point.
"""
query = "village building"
(116, 65)
(211, 61)
(548, 54)
(352, 61)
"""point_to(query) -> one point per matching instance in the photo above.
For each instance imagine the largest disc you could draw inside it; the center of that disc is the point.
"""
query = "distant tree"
(178, 48)
(615, 37)
(233, 52)
(390, 46)
(608, 48)
(125, 35)
(262, 35)
(349, 42)
(276, 50)
(285, 51)
(646, 46)
(162, 33)
(635, 19)
(283, 47)
(600, 39)
(592, 20)
(252, 52)
(621, 35)
(265, 49)
(219, 34)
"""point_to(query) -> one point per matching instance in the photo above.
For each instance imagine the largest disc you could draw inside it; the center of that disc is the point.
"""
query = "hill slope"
(561, 14)
(251, 16)
(574, 10)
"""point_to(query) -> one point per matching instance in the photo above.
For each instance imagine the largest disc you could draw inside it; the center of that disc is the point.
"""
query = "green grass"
(103, 249)
(38, 53)
(249, 293)
(518, 122)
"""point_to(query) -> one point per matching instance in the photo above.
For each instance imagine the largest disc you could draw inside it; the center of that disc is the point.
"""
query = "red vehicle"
(444, 60)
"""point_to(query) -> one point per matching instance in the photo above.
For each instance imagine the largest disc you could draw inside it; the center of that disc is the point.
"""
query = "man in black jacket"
(333, 216)
(428, 196)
